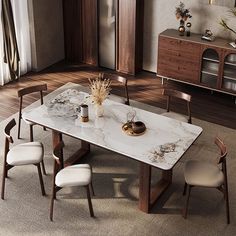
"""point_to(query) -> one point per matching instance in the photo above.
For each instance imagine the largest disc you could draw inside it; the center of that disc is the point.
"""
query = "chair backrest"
(57, 155)
(8, 137)
(32, 89)
(7, 130)
(178, 94)
(122, 80)
(28, 90)
(223, 150)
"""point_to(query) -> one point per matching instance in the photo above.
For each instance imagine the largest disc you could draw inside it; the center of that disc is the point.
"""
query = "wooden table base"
(149, 195)
(78, 155)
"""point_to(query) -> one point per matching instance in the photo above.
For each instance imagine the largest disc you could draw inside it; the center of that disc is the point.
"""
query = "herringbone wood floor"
(145, 87)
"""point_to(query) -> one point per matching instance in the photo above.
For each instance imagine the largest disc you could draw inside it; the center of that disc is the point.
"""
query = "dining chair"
(202, 174)
(170, 93)
(124, 82)
(19, 155)
(70, 176)
(26, 91)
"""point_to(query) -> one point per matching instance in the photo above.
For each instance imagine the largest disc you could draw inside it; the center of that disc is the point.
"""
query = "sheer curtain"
(21, 19)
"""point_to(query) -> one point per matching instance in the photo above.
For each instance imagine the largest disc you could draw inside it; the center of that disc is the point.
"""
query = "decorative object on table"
(131, 115)
(224, 24)
(84, 113)
(138, 127)
(100, 89)
(182, 14)
(134, 128)
(188, 25)
(208, 35)
(66, 104)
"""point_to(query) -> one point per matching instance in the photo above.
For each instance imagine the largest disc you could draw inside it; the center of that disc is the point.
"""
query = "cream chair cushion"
(25, 154)
(203, 174)
(75, 175)
(175, 116)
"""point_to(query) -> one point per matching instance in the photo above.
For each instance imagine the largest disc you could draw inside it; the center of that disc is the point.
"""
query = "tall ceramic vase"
(99, 110)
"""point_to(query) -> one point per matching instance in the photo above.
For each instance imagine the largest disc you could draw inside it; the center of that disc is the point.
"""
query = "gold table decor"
(129, 128)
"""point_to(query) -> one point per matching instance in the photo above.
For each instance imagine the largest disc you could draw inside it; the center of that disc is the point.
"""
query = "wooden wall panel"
(130, 30)
(72, 30)
(90, 31)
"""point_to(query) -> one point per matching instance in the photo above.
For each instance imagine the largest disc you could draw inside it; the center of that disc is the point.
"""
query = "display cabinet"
(191, 60)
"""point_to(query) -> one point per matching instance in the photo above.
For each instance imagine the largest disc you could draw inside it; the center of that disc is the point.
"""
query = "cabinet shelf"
(230, 63)
(209, 72)
(210, 59)
(228, 77)
(230, 74)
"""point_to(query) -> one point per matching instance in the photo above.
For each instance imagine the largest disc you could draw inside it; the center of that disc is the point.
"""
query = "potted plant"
(224, 24)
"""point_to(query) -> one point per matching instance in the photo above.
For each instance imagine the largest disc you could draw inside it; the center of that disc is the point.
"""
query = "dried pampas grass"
(100, 89)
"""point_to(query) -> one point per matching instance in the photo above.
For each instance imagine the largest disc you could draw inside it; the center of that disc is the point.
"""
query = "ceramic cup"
(84, 113)
(138, 127)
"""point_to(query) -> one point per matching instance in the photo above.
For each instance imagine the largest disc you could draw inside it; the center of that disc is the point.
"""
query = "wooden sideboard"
(194, 61)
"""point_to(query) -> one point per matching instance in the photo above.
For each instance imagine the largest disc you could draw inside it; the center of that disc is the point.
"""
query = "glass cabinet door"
(229, 73)
(210, 68)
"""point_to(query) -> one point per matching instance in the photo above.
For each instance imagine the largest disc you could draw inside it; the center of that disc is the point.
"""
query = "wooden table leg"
(149, 195)
(76, 157)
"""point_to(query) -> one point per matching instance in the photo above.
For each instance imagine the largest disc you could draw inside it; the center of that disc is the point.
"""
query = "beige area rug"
(26, 212)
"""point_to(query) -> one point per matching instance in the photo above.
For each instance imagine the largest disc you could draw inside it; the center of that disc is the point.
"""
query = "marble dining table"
(161, 146)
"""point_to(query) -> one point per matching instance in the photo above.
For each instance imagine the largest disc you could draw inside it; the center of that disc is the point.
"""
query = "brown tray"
(129, 131)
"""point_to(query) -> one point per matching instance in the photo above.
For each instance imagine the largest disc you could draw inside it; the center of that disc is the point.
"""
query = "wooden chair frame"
(178, 94)
(223, 188)
(122, 80)
(6, 166)
(25, 91)
(21, 93)
(59, 165)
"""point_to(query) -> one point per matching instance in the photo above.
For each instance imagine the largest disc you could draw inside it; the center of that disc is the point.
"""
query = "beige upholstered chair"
(71, 176)
(124, 82)
(210, 175)
(21, 154)
(26, 91)
(21, 93)
(170, 93)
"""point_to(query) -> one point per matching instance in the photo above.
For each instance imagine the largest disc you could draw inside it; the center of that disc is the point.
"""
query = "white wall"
(47, 35)
(160, 15)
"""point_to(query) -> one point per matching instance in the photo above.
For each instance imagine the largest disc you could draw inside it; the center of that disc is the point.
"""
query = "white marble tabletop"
(162, 145)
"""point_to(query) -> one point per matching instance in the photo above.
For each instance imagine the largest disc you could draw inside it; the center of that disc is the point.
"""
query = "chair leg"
(43, 167)
(227, 204)
(52, 201)
(89, 202)
(185, 188)
(187, 202)
(92, 189)
(41, 179)
(3, 181)
(31, 133)
(19, 124)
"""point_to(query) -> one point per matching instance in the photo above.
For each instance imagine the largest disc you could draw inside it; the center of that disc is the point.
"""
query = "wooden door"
(90, 31)
(129, 40)
(72, 30)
